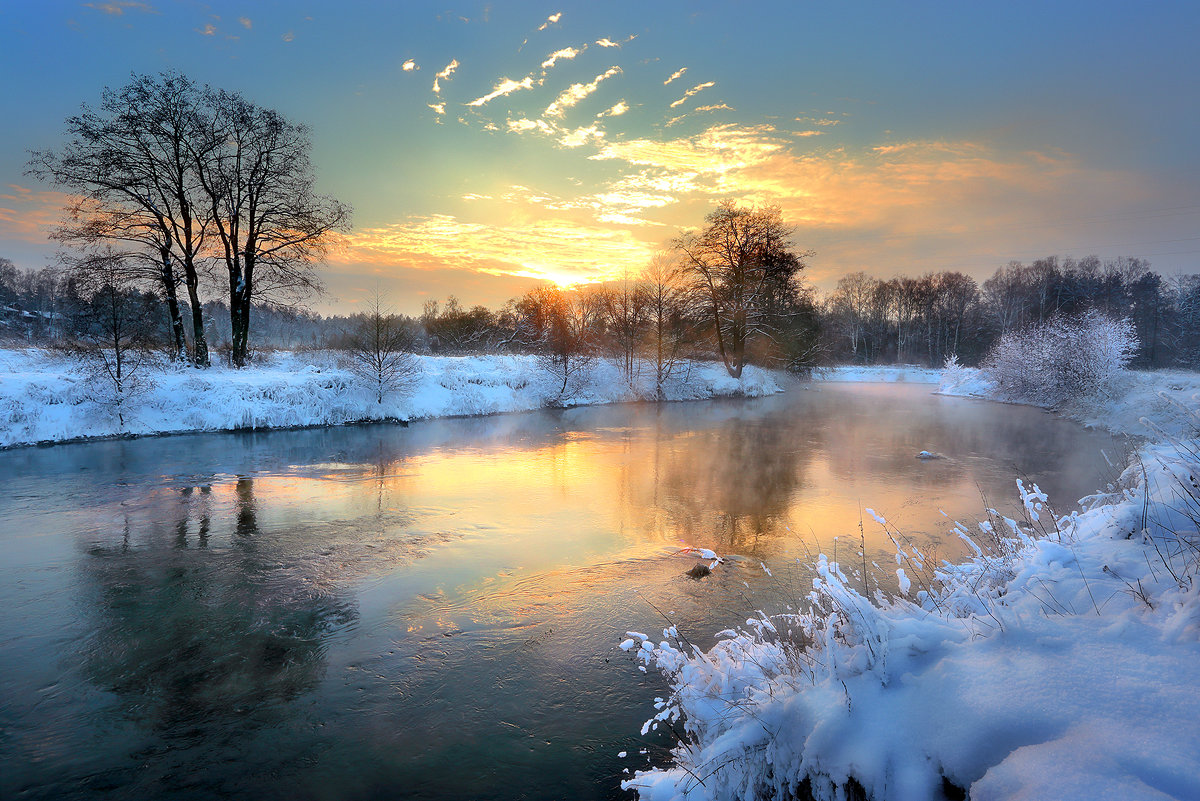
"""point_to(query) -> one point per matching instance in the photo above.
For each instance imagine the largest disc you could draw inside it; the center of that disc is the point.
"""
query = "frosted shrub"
(1063, 359)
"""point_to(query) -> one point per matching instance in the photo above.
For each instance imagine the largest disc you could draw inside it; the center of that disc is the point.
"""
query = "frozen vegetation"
(1060, 662)
(47, 398)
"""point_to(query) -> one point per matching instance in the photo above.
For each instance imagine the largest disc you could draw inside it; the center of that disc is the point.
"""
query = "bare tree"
(453, 329)
(253, 165)
(380, 348)
(667, 325)
(130, 163)
(114, 338)
(559, 325)
(623, 308)
(738, 265)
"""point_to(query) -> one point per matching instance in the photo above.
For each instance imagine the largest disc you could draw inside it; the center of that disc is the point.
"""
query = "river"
(432, 612)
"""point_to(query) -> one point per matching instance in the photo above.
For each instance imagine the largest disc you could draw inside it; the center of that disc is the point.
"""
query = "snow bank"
(1150, 403)
(906, 373)
(1062, 661)
(43, 397)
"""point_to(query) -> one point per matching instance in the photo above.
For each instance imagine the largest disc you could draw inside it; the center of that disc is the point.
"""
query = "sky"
(487, 146)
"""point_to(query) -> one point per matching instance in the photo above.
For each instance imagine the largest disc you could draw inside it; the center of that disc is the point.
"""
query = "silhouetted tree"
(253, 167)
(129, 163)
(734, 265)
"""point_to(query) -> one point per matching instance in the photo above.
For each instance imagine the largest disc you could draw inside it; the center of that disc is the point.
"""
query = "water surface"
(431, 612)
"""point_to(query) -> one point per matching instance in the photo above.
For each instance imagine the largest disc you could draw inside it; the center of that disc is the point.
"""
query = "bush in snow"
(1063, 359)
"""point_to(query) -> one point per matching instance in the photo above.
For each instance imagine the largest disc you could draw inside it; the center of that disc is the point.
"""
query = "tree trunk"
(178, 343)
(239, 312)
(199, 340)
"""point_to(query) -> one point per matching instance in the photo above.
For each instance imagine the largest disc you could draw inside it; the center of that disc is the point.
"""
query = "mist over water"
(432, 612)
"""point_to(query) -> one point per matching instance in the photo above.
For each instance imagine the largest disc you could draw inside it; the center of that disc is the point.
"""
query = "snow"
(1150, 403)
(46, 398)
(1060, 662)
(898, 373)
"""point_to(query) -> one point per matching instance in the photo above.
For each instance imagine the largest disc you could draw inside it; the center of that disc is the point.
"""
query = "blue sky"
(896, 137)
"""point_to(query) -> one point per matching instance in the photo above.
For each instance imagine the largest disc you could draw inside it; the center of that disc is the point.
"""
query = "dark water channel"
(432, 612)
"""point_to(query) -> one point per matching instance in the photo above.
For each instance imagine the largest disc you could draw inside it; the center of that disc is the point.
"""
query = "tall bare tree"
(667, 324)
(623, 308)
(253, 165)
(739, 265)
(130, 164)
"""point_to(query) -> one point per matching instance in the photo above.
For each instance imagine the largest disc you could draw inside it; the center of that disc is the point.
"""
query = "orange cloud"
(28, 215)
(118, 7)
(556, 250)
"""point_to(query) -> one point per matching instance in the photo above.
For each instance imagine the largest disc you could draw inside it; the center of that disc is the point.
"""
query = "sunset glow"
(509, 145)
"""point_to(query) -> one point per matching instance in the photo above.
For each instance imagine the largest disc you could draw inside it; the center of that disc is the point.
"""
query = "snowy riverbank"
(47, 398)
(1061, 662)
(886, 374)
(1152, 404)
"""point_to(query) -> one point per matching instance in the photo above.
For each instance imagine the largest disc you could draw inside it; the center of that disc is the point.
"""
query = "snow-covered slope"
(47, 398)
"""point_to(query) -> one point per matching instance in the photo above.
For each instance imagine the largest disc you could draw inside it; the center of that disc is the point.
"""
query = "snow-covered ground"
(45, 398)
(1061, 662)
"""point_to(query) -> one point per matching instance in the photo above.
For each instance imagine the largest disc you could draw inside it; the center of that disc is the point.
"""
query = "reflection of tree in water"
(729, 487)
(191, 636)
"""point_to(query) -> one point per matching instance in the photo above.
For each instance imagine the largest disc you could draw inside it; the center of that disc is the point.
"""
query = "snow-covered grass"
(45, 397)
(1062, 661)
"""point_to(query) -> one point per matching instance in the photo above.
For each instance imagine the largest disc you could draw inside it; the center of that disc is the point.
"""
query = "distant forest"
(865, 320)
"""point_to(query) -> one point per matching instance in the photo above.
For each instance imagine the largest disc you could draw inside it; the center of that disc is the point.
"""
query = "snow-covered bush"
(1064, 359)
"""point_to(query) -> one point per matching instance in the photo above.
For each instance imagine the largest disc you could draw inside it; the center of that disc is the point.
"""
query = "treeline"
(653, 315)
(924, 320)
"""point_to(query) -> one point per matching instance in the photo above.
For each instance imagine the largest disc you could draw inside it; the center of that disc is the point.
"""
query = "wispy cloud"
(438, 108)
(576, 92)
(208, 30)
(505, 87)
(246, 22)
(525, 125)
(444, 75)
(289, 36)
(409, 66)
(616, 110)
(119, 7)
(677, 74)
(606, 42)
(695, 90)
(717, 107)
(28, 215)
(550, 20)
(581, 136)
(557, 55)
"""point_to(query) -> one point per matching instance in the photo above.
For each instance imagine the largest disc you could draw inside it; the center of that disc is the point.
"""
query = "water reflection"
(431, 611)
